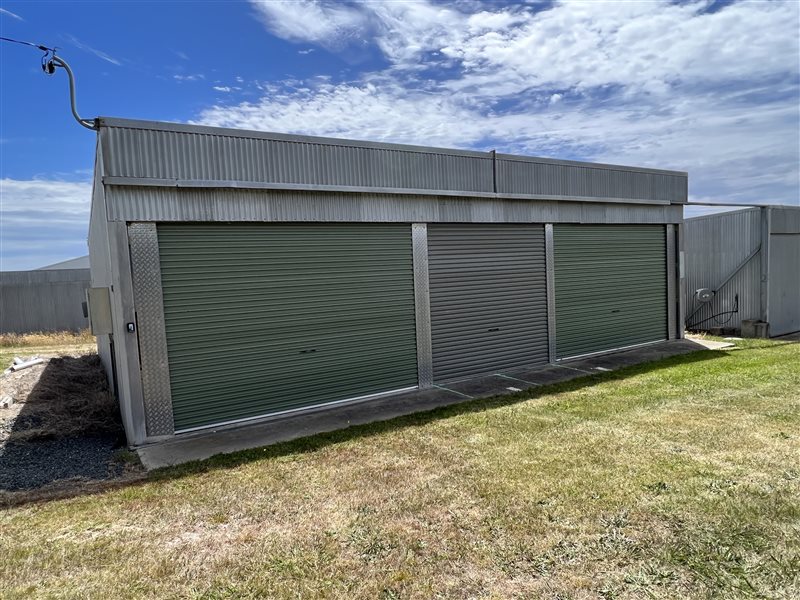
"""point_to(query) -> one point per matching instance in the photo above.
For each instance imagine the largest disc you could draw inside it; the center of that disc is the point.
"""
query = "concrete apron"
(209, 442)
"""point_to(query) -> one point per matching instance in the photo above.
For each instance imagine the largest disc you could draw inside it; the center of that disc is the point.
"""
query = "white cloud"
(327, 23)
(222, 88)
(3, 11)
(190, 77)
(714, 92)
(98, 53)
(42, 221)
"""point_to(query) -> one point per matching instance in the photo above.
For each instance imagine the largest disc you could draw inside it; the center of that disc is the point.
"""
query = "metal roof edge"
(290, 137)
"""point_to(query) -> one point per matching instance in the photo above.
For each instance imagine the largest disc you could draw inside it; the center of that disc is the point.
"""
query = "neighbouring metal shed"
(251, 275)
(744, 265)
(45, 300)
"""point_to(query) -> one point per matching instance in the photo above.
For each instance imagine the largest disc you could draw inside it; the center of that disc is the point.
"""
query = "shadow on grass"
(318, 441)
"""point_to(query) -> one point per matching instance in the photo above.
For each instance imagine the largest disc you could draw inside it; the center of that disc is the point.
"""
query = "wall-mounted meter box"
(99, 301)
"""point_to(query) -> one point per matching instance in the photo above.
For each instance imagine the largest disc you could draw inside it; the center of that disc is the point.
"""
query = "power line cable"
(24, 43)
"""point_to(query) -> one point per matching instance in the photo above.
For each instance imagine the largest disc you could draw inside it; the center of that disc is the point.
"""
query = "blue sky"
(712, 88)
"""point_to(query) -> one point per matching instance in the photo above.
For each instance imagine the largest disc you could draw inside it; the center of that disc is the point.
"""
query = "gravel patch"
(29, 465)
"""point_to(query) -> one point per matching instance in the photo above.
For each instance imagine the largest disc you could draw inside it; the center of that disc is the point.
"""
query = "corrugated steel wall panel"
(610, 287)
(33, 301)
(715, 245)
(521, 176)
(191, 156)
(488, 298)
(267, 318)
(784, 283)
(147, 203)
(183, 153)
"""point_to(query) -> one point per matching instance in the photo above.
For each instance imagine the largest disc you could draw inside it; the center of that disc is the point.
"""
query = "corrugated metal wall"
(141, 203)
(784, 283)
(715, 245)
(43, 300)
(516, 175)
(268, 318)
(488, 298)
(610, 286)
(178, 153)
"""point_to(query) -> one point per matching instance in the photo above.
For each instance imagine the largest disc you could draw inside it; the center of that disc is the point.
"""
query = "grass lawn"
(669, 480)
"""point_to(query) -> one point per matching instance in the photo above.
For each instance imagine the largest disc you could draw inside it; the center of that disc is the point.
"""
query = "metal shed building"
(251, 275)
(747, 264)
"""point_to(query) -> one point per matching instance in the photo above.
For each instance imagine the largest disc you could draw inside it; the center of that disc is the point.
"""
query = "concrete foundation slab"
(206, 443)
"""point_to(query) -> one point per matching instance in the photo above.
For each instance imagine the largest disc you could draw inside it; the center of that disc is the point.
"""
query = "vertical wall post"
(672, 276)
(422, 303)
(766, 227)
(681, 324)
(146, 271)
(550, 271)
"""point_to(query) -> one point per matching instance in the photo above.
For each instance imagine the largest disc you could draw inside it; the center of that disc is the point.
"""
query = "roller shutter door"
(610, 286)
(267, 318)
(488, 298)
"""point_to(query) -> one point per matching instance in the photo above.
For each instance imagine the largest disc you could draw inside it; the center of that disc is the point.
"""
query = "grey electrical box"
(99, 301)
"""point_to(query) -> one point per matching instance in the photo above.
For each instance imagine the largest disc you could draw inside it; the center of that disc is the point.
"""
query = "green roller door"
(264, 318)
(610, 286)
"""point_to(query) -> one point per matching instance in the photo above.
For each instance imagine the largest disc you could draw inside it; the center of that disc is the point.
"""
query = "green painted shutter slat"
(265, 318)
(610, 286)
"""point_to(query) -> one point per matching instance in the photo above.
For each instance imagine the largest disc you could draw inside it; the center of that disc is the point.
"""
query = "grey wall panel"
(33, 301)
(100, 267)
(488, 298)
(785, 219)
(147, 203)
(263, 319)
(133, 152)
(126, 344)
(610, 287)
(715, 245)
(529, 176)
(784, 283)
(181, 153)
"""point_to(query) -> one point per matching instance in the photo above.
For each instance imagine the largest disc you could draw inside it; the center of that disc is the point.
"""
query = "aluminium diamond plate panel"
(146, 271)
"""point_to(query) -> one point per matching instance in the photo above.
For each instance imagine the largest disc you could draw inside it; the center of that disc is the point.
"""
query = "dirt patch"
(63, 428)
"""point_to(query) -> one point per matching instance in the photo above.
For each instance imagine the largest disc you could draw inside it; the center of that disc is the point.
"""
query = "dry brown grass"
(42, 339)
(70, 397)
(679, 481)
